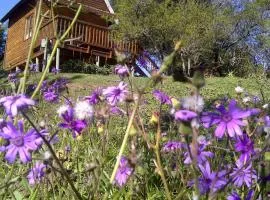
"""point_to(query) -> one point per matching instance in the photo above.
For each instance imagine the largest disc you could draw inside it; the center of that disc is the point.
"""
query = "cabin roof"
(6, 17)
(21, 2)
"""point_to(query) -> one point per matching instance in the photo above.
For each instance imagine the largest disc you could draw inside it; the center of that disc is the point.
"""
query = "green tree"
(2, 41)
(215, 34)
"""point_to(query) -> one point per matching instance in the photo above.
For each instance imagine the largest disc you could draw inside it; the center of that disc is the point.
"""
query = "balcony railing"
(87, 34)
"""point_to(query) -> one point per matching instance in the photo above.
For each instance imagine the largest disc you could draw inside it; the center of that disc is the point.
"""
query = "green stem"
(159, 163)
(124, 143)
(57, 43)
(33, 41)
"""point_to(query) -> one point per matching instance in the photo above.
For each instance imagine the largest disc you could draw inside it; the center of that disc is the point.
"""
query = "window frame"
(29, 26)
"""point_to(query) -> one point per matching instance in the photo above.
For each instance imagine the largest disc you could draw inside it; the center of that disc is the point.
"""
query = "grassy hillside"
(216, 87)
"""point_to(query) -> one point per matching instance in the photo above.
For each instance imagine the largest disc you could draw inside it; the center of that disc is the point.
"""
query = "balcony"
(85, 36)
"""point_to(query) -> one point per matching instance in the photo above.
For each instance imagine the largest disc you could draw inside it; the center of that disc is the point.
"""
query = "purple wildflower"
(116, 94)
(235, 196)
(50, 96)
(12, 77)
(245, 146)
(172, 146)
(162, 97)
(243, 175)
(210, 180)
(202, 155)
(184, 115)
(55, 71)
(121, 70)
(267, 121)
(76, 126)
(228, 120)
(3, 124)
(123, 173)
(37, 173)
(19, 142)
(95, 97)
(13, 104)
(114, 110)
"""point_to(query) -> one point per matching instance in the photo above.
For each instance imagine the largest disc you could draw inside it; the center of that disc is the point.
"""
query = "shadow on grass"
(75, 77)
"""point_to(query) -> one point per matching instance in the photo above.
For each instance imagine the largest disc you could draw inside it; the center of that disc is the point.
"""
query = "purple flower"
(37, 173)
(12, 77)
(227, 120)
(76, 126)
(243, 175)
(202, 155)
(267, 121)
(19, 142)
(3, 124)
(95, 97)
(172, 146)
(210, 181)
(122, 71)
(245, 146)
(55, 71)
(184, 115)
(235, 196)
(116, 94)
(50, 96)
(13, 104)
(114, 110)
(123, 173)
(162, 97)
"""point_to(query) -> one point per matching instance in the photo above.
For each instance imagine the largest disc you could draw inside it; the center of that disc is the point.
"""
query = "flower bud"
(133, 131)
(100, 129)
(154, 118)
(175, 103)
(80, 137)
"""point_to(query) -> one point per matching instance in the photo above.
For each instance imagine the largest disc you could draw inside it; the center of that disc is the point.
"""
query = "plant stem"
(57, 43)
(124, 143)
(159, 164)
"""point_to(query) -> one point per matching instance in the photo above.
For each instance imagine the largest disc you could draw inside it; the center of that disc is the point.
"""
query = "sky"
(5, 6)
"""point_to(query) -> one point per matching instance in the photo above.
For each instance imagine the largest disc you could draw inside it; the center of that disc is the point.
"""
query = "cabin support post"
(98, 61)
(37, 64)
(57, 60)
(45, 54)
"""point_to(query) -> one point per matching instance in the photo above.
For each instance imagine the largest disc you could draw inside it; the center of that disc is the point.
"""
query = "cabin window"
(29, 27)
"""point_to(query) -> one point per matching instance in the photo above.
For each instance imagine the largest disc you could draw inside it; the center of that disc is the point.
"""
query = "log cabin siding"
(17, 46)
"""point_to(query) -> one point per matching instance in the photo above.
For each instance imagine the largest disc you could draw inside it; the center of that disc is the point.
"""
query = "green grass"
(216, 87)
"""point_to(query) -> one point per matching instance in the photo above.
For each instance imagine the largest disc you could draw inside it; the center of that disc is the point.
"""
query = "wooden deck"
(85, 37)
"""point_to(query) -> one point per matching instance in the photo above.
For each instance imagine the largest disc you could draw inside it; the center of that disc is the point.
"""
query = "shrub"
(78, 66)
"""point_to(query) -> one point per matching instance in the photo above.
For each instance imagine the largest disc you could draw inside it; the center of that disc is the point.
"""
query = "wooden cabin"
(90, 38)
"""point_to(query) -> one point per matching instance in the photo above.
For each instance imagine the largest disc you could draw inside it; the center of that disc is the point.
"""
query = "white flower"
(246, 99)
(239, 90)
(62, 109)
(47, 155)
(83, 110)
(265, 106)
(195, 103)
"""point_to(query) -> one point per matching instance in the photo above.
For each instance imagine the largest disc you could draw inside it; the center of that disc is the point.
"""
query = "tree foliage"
(221, 35)
(2, 41)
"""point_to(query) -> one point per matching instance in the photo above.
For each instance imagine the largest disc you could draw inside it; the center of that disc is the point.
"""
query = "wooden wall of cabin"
(17, 46)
